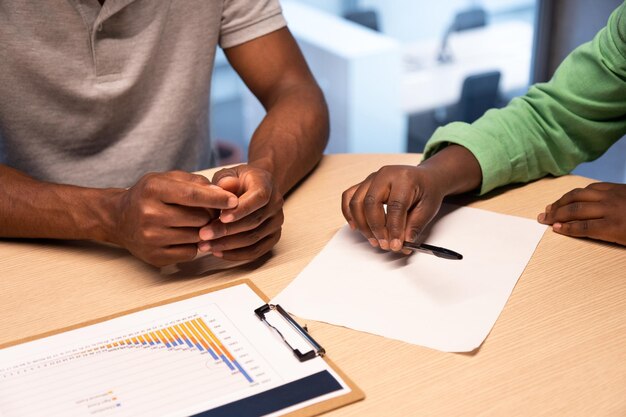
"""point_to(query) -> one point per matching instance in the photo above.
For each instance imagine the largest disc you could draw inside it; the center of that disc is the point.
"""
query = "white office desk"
(428, 84)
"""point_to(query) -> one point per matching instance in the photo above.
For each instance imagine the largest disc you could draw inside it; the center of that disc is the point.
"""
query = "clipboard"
(207, 325)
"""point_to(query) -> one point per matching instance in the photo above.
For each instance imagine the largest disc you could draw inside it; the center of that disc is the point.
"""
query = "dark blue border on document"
(278, 398)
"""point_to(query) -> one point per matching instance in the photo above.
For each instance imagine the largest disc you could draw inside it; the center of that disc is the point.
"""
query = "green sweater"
(573, 118)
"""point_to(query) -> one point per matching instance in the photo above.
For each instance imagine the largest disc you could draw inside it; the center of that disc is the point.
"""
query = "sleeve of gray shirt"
(244, 20)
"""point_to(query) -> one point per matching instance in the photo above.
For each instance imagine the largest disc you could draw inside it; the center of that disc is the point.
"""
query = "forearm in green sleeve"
(574, 118)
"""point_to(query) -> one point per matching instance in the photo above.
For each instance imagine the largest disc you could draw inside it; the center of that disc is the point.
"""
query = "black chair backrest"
(367, 18)
(469, 19)
(480, 93)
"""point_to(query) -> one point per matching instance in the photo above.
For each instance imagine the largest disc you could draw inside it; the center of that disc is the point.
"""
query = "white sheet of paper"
(449, 305)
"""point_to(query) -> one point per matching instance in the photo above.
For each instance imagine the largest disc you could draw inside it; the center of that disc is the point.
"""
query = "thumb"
(228, 180)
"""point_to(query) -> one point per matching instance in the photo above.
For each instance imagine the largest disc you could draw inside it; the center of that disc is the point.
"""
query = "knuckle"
(263, 195)
(414, 233)
(281, 218)
(574, 207)
(147, 213)
(177, 173)
(257, 219)
(150, 185)
(584, 226)
(200, 179)
(355, 204)
(369, 201)
(258, 250)
(345, 195)
(189, 193)
(385, 169)
(577, 191)
(254, 237)
(376, 227)
(146, 235)
(396, 206)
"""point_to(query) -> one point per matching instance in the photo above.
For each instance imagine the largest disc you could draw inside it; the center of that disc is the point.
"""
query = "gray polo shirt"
(98, 96)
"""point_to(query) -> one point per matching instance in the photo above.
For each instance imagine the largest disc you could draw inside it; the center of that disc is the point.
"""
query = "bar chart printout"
(179, 359)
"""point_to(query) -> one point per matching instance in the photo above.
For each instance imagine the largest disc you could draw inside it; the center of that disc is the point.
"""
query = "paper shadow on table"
(205, 265)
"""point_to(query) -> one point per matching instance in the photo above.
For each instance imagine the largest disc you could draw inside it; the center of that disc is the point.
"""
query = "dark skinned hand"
(159, 218)
(412, 196)
(597, 212)
(251, 229)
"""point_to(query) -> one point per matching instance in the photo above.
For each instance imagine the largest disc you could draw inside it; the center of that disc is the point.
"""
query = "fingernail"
(384, 244)
(204, 247)
(396, 245)
(352, 226)
(557, 226)
(373, 242)
(218, 254)
(233, 201)
(541, 217)
(548, 208)
(413, 235)
(207, 234)
(226, 218)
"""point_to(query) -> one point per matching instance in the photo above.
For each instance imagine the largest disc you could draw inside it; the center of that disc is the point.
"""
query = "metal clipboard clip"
(292, 330)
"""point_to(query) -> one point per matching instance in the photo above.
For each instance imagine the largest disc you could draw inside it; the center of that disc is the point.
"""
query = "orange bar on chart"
(184, 334)
(170, 336)
(179, 338)
(197, 335)
(162, 337)
(149, 339)
(206, 328)
(190, 335)
(155, 338)
(207, 337)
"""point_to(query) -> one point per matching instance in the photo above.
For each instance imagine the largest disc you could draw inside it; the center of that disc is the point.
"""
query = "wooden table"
(559, 347)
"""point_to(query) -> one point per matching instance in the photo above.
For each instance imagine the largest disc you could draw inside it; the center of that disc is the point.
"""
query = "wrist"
(455, 169)
(101, 214)
(267, 164)
(264, 163)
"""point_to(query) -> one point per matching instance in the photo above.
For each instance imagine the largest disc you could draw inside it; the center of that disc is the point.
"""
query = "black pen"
(434, 250)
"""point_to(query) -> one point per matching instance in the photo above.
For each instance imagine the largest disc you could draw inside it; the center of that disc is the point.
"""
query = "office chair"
(480, 92)
(367, 18)
(465, 20)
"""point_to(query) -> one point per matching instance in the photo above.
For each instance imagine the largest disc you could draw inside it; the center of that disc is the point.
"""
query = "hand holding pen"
(394, 205)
